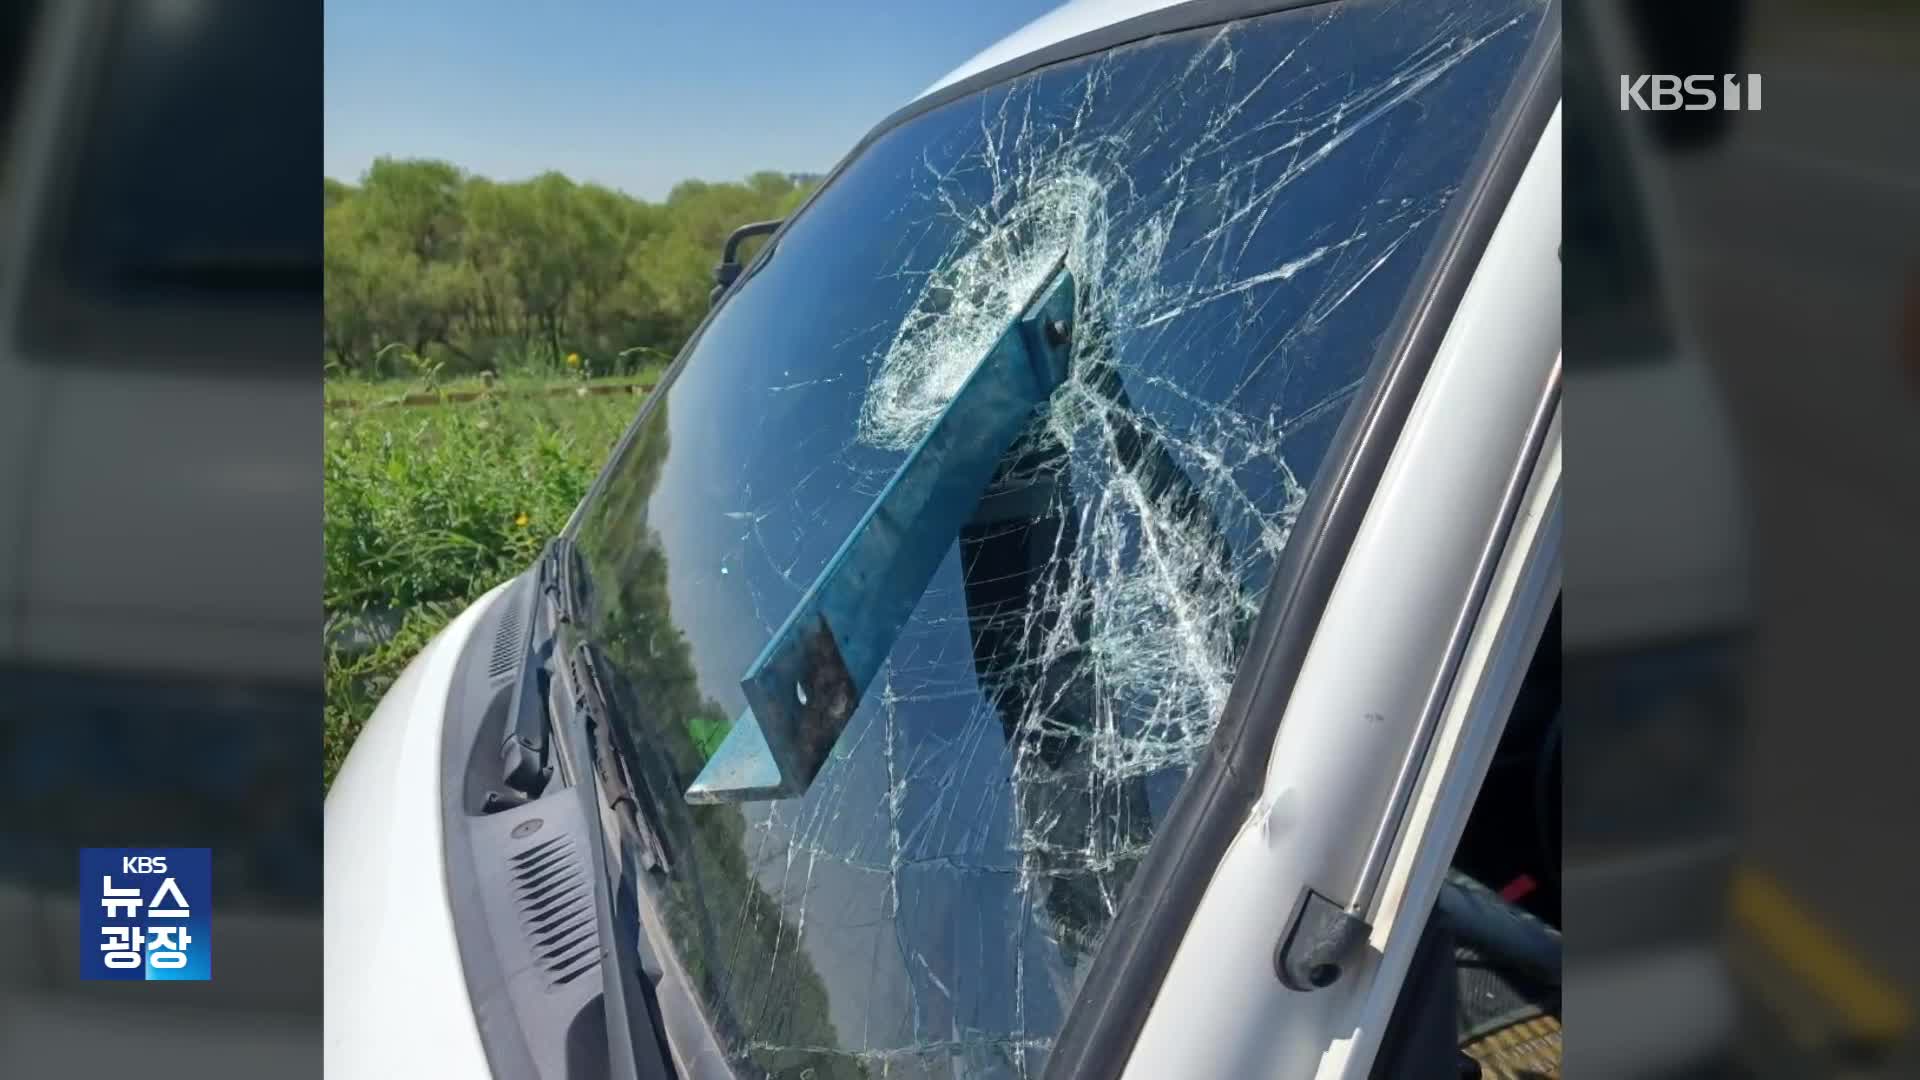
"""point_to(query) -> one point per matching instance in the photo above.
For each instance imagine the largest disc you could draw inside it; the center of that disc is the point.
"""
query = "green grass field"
(429, 507)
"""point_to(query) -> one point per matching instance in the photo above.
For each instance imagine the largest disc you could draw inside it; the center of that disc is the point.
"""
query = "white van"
(1084, 604)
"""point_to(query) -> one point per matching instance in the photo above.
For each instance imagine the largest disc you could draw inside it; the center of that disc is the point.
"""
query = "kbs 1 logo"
(1665, 93)
(146, 913)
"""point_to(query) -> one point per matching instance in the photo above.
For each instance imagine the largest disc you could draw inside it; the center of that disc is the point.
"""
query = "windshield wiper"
(540, 703)
(561, 696)
(526, 753)
(627, 795)
(632, 969)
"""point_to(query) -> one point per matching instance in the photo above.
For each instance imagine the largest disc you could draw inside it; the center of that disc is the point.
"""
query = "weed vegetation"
(428, 507)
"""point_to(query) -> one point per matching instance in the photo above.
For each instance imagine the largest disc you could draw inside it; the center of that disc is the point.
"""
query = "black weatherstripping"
(1100, 1031)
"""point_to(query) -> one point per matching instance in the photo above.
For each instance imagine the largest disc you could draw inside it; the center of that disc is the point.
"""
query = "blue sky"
(635, 94)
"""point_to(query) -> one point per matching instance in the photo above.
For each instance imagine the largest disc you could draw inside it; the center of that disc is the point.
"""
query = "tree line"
(428, 264)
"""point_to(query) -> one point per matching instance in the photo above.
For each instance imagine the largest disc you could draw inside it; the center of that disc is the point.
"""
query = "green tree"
(426, 260)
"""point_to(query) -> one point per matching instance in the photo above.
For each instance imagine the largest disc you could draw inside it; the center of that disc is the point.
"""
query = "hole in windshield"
(1243, 210)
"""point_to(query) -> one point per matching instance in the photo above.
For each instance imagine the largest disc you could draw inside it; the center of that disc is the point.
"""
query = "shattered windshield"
(1243, 210)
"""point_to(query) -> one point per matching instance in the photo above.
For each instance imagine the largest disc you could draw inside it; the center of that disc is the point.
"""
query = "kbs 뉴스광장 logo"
(146, 913)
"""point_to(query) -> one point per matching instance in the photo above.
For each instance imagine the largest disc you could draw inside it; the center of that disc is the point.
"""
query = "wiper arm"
(526, 751)
(562, 694)
(635, 1036)
(632, 974)
(554, 641)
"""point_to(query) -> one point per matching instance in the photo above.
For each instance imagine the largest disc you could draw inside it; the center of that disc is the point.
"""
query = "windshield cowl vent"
(506, 645)
(555, 901)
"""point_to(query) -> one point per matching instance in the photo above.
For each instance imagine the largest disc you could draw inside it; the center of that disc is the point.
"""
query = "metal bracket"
(810, 678)
(1319, 944)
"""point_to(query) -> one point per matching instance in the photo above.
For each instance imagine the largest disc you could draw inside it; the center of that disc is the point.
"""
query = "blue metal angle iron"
(810, 678)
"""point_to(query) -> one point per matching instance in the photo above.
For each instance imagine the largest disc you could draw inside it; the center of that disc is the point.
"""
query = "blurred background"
(1740, 547)
(159, 497)
(1743, 350)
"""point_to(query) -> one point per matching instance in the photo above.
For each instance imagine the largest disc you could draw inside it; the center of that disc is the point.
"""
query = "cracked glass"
(1244, 209)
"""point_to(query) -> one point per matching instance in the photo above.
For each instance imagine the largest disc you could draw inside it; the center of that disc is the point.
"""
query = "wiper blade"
(638, 1046)
(629, 799)
(805, 685)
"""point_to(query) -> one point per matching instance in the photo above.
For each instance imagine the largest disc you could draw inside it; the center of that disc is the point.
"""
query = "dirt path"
(455, 397)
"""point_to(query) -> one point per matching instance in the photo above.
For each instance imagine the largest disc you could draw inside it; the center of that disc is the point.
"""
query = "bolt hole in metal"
(1324, 975)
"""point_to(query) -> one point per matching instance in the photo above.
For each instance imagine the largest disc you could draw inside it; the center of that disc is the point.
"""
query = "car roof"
(1069, 20)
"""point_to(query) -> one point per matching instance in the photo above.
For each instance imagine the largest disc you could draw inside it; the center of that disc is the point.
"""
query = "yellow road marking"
(1873, 1007)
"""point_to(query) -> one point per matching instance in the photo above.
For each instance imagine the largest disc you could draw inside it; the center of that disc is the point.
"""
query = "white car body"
(396, 1002)
(1431, 646)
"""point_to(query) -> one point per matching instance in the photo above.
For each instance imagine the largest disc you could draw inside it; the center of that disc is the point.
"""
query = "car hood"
(396, 997)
